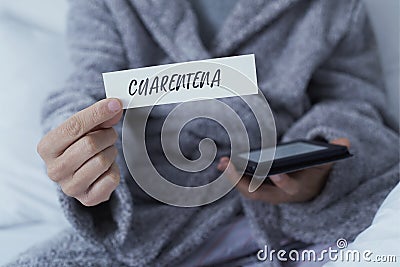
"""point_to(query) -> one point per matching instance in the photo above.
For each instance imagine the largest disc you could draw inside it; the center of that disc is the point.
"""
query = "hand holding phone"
(297, 186)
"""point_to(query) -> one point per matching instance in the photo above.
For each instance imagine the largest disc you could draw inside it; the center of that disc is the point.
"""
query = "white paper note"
(182, 82)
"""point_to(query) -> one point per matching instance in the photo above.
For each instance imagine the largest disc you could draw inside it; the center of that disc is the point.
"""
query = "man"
(316, 65)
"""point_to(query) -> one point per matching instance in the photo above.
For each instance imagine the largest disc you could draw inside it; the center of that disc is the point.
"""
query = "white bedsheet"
(30, 57)
(15, 240)
(382, 238)
(33, 63)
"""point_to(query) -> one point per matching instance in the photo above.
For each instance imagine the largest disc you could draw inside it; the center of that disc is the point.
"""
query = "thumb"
(114, 120)
(111, 122)
(227, 166)
(341, 141)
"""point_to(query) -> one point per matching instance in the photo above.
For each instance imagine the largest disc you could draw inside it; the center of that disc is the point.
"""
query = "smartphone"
(289, 157)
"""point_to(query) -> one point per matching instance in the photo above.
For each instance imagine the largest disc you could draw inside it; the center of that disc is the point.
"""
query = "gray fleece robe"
(317, 65)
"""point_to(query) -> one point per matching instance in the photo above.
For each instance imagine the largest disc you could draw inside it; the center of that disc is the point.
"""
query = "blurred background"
(34, 61)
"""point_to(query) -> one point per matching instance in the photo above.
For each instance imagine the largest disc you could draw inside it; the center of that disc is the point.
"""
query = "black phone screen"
(289, 157)
(282, 151)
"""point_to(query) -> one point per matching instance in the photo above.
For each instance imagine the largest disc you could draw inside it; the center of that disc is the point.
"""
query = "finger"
(341, 141)
(324, 168)
(286, 183)
(223, 164)
(243, 186)
(265, 192)
(327, 166)
(230, 170)
(111, 122)
(78, 125)
(89, 172)
(100, 191)
(83, 149)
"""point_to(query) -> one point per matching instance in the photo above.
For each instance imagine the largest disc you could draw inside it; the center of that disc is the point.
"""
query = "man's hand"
(80, 153)
(298, 186)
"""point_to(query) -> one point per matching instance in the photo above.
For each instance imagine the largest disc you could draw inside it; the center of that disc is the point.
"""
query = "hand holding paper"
(80, 153)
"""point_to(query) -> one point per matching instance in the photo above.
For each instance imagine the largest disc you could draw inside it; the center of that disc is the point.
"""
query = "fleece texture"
(317, 65)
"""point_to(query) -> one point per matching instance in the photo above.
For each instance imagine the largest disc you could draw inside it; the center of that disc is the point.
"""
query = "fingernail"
(276, 178)
(114, 105)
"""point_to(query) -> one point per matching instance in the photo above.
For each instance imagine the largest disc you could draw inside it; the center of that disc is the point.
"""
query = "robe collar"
(173, 25)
